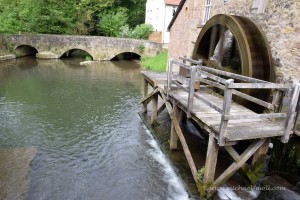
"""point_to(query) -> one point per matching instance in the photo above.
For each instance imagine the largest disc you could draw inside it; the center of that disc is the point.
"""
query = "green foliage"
(156, 63)
(142, 31)
(88, 58)
(200, 173)
(111, 22)
(84, 17)
(141, 48)
(125, 32)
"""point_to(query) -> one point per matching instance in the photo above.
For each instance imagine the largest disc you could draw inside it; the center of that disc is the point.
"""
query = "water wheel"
(236, 44)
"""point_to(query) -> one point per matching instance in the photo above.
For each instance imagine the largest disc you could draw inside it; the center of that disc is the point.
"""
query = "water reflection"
(84, 123)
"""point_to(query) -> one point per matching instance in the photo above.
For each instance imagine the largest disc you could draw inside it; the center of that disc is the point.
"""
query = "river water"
(76, 134)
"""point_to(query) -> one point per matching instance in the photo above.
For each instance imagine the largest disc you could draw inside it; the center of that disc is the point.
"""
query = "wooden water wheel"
(236, 44)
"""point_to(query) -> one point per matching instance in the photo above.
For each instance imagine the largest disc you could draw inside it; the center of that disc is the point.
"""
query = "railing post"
(169, 77)
(193, 71)
(145, 95)
(225, 111)
(291, 114)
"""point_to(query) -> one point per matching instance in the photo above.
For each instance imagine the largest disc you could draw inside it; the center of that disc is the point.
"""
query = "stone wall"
(100, 48)
(280, 22)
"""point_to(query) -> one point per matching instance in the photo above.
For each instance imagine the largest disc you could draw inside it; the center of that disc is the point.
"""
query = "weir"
(205, 96)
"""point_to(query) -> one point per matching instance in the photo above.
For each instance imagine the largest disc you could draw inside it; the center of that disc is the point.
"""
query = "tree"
(111, 22)
(142, 31)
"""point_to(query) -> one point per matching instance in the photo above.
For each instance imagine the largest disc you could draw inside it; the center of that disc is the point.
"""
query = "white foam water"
(176, 188)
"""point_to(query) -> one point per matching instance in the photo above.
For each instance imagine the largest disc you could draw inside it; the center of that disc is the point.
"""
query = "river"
(73, 132)
(76, 134)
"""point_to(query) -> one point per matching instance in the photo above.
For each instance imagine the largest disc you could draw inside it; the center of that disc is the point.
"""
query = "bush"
(111, 22)
(142, 31)
(125, 32)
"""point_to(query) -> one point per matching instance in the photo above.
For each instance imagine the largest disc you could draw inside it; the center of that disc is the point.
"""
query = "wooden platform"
(226, 121)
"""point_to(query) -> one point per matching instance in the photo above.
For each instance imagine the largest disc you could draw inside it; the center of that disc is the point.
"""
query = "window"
(207, 11)
(258, 6)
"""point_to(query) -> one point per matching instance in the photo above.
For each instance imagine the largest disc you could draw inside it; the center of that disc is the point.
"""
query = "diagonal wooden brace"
(245, 169)
(239, 163)
(148, 98)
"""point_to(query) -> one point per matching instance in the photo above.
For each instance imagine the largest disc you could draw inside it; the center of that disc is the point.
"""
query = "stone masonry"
(100, 48)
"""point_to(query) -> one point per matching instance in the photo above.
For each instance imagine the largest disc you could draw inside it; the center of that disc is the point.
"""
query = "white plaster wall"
(155, 12)
(168, 17)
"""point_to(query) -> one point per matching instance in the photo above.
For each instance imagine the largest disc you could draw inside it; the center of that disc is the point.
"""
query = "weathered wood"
(244, 168)
(174, 136)
(169, 77)
(259, 86)
(181, 64)
(240, 94)
(184, 145)
(260, 153)
(277, 96)
(191, 90)
(161, 109)
(211, 160)
(232, 75)
(237, 165)
(214, 77)
(154, 109)
(145, 95)
(150, 96)
(256, 116)
(291, 115)
(197, 62)
(225, 111)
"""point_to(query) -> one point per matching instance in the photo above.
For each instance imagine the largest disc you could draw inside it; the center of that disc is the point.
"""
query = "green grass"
(157, 63)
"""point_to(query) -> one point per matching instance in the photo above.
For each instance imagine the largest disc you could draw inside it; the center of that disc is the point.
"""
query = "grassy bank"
(157, 63)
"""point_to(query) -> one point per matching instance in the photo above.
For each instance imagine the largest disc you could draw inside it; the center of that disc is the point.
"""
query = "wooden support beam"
(174, 136)
(211, 160)
(148, 98)
(245, 169)
(237, 165)
(259, 158)
(291, 114)
(144, 107)
(161, 109)
(154, 109)
(184, 145)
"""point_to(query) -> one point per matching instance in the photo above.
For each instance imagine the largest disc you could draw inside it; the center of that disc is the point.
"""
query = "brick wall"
(280, 22)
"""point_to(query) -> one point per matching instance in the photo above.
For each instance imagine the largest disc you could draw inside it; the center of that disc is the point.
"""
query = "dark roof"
(176, 14)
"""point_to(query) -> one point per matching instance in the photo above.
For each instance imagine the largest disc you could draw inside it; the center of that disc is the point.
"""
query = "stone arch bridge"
(100, 48)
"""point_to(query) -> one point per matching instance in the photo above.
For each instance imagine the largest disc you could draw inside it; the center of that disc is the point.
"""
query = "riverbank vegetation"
(74, 17)
(157, 63)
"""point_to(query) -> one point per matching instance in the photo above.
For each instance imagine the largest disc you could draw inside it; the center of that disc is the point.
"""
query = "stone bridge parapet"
(100, 48)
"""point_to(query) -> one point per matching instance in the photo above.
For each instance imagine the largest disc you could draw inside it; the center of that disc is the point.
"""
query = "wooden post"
(291, 114)
(225, 111)
(174, 136)
(154, 109)
(191, 90)
(145, 95)
(211, 160)
(169, 78)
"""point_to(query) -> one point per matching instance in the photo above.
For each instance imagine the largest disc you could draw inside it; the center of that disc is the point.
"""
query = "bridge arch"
(25, 50)
(76, 52)
(126, 56)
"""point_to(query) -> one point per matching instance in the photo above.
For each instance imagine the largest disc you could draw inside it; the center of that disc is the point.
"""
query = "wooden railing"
(226, 81)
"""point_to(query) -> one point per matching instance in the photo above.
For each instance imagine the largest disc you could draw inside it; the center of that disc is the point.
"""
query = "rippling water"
(82, 124)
